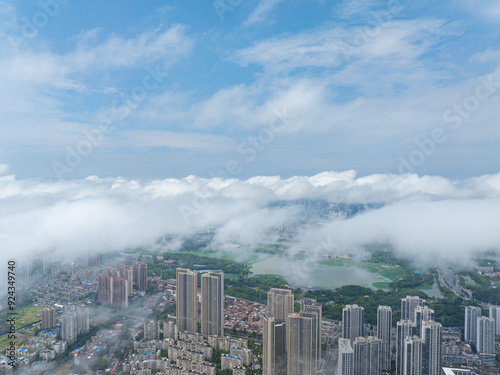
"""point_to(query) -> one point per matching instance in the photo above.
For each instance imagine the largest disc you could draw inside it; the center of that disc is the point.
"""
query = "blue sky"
(168, 89)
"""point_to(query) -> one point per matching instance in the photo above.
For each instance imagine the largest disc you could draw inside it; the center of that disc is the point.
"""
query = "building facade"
(472, 313)
(274, 346)
(384, 328)
(187, 300)
(353, 322)
(280, 303)
(212, 304)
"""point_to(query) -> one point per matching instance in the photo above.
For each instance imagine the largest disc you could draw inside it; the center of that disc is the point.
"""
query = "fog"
(423, 217)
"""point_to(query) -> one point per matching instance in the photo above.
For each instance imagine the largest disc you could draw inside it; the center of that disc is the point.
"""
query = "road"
(449, 280)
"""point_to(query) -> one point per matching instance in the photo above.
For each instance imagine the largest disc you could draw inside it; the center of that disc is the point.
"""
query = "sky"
(170, 89)
(124, 121)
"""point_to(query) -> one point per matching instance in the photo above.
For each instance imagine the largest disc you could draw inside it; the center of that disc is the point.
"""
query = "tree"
(101, 363)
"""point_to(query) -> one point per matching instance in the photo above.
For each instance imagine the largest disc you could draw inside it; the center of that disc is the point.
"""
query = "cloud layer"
(421, 217)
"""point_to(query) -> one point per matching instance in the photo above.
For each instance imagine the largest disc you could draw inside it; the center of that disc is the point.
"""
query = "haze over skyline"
(154, 90)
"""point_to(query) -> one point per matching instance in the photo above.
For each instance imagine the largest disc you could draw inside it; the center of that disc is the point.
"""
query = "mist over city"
(302, 187)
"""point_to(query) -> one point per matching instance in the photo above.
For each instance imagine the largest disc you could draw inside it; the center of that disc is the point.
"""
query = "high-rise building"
(69, 324)
(140, 275)
(311, 309)
(170, 330)
(212, 304)
(48, 318)
(353, 322)
(485, 341)
(495, 314)
(113, 272)
(274, 346)
(113, 291)
(105, 289)
(120, 292)
(472, 313)
(422, 314)
(152, 330)
(91, 260)
(280, 303)
(82, 319)
(187, 300)
(412, 356)
(384, 327)
(299, 338)
(431, 347)
(404, 328)
(409, 305)
(345, 364)
(127, 273)
(367, 356)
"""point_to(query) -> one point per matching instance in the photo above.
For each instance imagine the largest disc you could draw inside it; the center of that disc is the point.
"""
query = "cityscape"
(89, 317)
(258, 187)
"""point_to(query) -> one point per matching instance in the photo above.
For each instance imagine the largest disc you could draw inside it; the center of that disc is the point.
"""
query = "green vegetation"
(195, 262)
(21, 338)
(28, 316)
(482, 289)
(413, 281)
(254, 288)
(393, 273)
(381, 284)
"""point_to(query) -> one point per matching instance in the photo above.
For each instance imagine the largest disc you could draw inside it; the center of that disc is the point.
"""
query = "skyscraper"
(274, 346)
(485, 341)
(69, 329)
(353, 323)
(422, 314)
(384, 327)
(212, 304)
(367, 356)
(412, 356)
(151, 329)
(470, 331)
(48, 318)
(105, 289)
(345, 364)
(113, 291)
(120, 292)
(431, 347)
(127, 273)
(82, 319)
(405, 328)
(299, 337)
(187, 301)
(310, 308)
(140, 275)
(495, 314)
(409, 305)
(280, 303)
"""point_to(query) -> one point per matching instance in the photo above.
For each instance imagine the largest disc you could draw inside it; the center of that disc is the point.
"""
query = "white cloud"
(3, 169)
(261, 12)
(185, 141)
(333, 47)
(490, 55)
(422, 214)
(350, 8)
(489, 9)
(169, 45)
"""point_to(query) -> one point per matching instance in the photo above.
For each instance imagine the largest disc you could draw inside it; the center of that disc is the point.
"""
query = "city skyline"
(260, 187)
